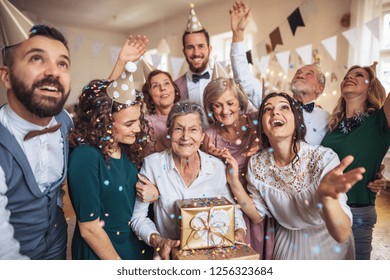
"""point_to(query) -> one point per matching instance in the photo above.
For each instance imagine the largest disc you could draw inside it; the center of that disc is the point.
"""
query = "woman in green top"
(109, 143)
(359, 126)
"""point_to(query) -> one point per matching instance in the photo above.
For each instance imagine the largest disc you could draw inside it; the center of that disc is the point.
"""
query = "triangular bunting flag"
(330, 45)
(263, 64)
(249, 57)
(176, 63)
(276, 38)
(305, 53)
(295, 20)
(352, 35)
(283, 59)
(156, 59)
(373, 25)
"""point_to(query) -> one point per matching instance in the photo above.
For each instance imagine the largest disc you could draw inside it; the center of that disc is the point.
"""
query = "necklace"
(346, 125)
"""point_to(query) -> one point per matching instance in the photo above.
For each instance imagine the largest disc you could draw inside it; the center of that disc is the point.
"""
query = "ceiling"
(108, 15)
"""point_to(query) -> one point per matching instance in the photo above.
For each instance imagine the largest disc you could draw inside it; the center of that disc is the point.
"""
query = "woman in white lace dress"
(302, 186)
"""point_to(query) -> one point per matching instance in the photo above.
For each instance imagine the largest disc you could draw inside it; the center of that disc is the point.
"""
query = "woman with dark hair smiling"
(300, 185)
(109, 143)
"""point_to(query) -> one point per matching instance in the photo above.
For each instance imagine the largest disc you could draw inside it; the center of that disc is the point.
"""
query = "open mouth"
(277, 123)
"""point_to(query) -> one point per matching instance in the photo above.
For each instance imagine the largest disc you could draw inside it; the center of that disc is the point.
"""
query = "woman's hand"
(336, 182)
(239, 235)
(133, 49)
(146, 191)
(232, 173)
(163, 246)
(380, 183)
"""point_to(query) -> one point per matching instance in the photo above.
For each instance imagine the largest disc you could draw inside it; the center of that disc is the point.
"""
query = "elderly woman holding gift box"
(181, 172)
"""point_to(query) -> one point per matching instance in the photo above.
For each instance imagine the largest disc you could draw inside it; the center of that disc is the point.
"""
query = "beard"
(301, 90)
(41, 106)
(199, 69)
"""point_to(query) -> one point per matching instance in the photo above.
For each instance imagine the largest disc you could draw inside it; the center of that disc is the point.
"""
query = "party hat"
(373, 66)
(147, 68)
(122, 90)
(15, 26)
(218, 71)
(193, 23)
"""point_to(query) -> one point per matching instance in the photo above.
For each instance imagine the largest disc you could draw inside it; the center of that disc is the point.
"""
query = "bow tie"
(34, 133)
(307, 107)
(196, 77)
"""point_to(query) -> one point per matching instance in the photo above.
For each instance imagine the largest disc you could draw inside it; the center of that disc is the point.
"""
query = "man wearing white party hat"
(197, 50)
(33, 129)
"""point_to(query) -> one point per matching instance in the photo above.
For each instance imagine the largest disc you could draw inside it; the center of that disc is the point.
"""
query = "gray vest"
(32, 212)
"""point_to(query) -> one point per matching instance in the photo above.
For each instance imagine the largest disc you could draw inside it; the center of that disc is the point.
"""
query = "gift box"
(206, 223)
(235, 252)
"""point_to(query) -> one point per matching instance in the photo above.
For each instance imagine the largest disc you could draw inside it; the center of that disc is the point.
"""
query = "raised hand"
(133, 48)
(239, 16)
(336, 182)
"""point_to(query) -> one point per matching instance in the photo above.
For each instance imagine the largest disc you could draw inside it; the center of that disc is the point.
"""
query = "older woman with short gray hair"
(181, 172)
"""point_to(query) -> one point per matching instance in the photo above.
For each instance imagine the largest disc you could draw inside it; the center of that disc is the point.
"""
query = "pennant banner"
(330, 45)
(352, 35)
(295, 20)
(263, 64)
(249, 57)
(305, 53)
(283, 59)
(373, 25)
(276, 38)
(176, 63)
(156, 60)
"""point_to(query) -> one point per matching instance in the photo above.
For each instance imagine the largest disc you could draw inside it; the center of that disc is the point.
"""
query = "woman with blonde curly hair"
(359, 126)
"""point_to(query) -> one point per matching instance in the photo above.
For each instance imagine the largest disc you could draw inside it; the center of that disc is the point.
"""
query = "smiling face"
(39, 77)
(127, 124)
(305, 85)
(278, 121)
(355, 84)
(226, 109)
(162, 91)
(196, 51)
(186, 135)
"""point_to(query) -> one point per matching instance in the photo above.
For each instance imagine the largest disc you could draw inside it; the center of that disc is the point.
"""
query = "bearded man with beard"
(197, 50)
(34, 146)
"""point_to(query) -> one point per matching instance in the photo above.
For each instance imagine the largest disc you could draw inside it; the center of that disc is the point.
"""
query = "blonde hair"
(216, 88)
(376, 96)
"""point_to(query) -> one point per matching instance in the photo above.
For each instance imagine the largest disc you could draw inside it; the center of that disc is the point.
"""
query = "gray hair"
(186, 107)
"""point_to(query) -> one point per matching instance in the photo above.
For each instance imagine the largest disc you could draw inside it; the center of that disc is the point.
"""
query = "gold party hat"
(14, 25)
(193, 23)
(219, 71)
(146, 68)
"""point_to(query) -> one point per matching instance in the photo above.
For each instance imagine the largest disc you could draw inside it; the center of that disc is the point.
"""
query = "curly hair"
(147, 86)
(299, 130)
(94, 123)
(376, 96)
(219, 86)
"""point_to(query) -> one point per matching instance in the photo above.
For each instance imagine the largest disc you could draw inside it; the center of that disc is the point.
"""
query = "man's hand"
(163, 246)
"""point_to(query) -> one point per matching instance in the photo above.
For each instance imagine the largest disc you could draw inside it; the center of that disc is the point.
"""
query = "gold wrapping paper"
(206, 223)
(237, 252)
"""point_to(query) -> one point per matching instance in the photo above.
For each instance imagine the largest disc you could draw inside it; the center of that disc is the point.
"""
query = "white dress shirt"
(195, 90)
(160, 169)
(9, 246)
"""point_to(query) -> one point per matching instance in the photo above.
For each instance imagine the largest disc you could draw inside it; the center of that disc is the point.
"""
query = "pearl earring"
(366, 81)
